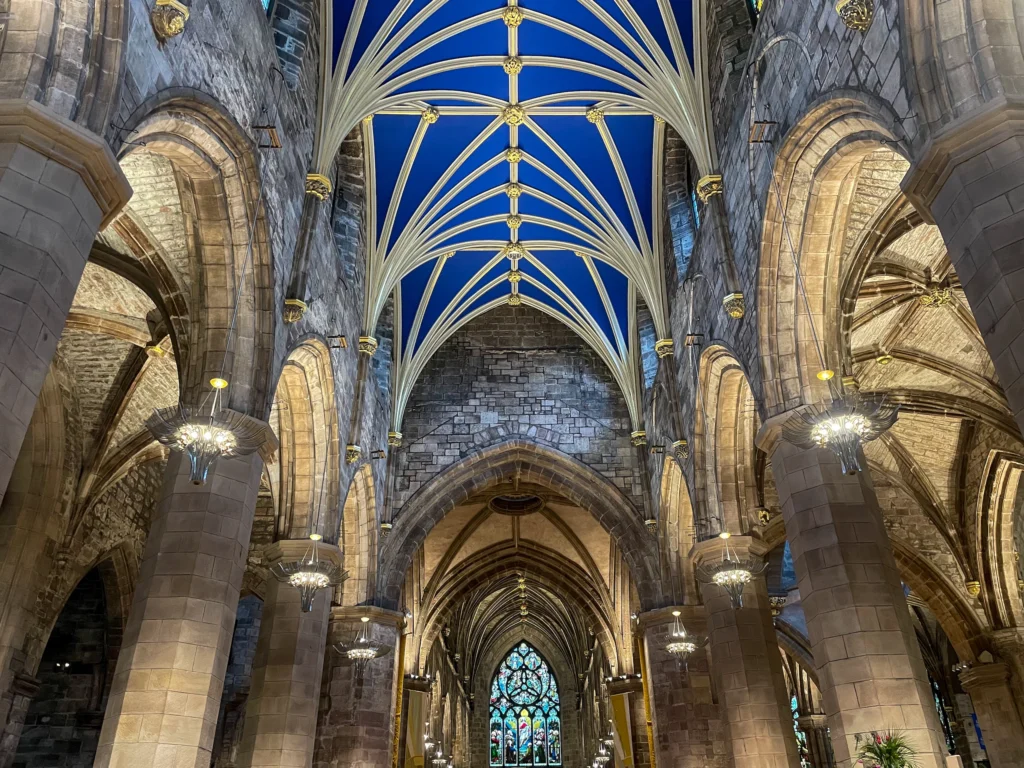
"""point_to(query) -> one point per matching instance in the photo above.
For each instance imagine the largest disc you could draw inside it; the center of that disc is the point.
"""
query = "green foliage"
(888, 750)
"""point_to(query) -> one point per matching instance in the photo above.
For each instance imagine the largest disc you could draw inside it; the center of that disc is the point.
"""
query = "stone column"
(970, 181)
(815, 728)
(747, 663)
(59, 186)
(1009, 646)
(688, 728)
(169, 678)
(280, 715)
(989, 688)
(871, 674)
(357, 708)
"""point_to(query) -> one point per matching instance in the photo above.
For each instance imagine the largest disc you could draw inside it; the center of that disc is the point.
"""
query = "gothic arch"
(997, 569)
(725, 443)
(359, 539)
(534, 464)
(817, 154)
(305, 420)
(218, 179)
(560, 667)
(677, 535)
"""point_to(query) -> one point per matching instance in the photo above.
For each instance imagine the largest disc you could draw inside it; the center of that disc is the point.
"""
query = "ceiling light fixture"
(731, 574)
(680, 644)
(310, 574)
(363, 650)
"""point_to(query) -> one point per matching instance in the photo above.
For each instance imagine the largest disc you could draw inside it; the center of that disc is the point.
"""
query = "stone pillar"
(169, 678)
(1009, 646)
(281, 712)
(815, 728)
(747, 663)
(688, 728)
(357, 708)
(970, 181)
(998, 718)
(871, 674)
(59, 186)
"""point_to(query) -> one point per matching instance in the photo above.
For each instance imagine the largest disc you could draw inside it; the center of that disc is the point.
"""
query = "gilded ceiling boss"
(501, 383)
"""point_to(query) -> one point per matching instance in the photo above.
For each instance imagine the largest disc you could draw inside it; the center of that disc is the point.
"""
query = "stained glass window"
(526, 726)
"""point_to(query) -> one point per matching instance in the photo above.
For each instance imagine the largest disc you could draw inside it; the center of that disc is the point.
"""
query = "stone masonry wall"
(515, 373)
(799, 56)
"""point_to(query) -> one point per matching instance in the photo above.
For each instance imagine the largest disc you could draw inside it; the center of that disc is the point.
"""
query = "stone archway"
(359, 535)
(725, 443)
(217, 184)
(533, 464)
(305, 420)
(822, 150)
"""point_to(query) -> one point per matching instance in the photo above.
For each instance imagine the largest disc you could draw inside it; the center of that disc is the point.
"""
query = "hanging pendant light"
(310, 574)
(731, 574)
(363, 650)
(222, 433)
(680, 644)
(843, 427)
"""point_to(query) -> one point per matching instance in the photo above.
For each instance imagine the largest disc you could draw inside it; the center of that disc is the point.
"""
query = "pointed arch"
(677, 536)
(216, 162)
(525, 714)
(305, 419)
(724, 445)
(359, 538)
(534, 464)
(817, 154)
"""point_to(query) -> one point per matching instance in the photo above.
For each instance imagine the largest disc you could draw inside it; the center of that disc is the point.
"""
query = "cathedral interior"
(491, 383)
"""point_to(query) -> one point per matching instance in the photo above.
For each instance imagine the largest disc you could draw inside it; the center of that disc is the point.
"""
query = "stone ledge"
(34, 126)
(956, 143)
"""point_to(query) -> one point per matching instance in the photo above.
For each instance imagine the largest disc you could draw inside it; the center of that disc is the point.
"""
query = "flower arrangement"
(891, 749)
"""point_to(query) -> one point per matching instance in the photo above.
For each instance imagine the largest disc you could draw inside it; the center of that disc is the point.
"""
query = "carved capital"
(856, 14)
(168, 18)
(664, 348)
(709, 186)
(318, 185)
(638, 438)
(395, 439)
(735, 305)
(681, 450)
(977, 678)
(294, 310)
(352, 454)
(38, 128)
(368, 345)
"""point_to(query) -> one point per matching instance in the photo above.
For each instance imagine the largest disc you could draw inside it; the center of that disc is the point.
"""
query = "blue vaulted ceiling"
(513, 156)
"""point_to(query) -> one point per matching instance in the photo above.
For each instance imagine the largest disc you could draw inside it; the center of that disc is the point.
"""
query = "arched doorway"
(62, 726)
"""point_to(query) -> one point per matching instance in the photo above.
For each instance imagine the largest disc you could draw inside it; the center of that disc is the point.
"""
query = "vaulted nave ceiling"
(514, 156)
